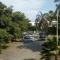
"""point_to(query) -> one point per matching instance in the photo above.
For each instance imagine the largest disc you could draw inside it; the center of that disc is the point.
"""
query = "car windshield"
(27, 37)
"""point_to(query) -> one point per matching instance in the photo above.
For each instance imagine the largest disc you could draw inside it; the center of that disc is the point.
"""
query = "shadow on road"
(34, 46)
(30, 59)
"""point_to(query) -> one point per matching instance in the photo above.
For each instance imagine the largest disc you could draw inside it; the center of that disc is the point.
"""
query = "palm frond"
(57, 0)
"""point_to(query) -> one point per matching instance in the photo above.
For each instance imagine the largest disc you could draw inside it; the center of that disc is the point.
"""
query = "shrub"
(5, 37)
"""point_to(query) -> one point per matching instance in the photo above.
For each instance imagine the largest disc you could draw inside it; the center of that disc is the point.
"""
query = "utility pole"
(57, 35)
(57, 25)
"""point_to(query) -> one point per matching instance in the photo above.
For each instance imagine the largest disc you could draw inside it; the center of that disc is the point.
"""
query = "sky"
(30, 7)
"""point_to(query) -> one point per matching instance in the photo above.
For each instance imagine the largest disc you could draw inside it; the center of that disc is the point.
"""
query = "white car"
(28, 39)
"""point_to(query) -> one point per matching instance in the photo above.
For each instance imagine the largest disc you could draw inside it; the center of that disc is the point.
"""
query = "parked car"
(28, 39)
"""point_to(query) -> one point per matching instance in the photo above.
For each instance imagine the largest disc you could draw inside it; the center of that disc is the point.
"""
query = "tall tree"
(12, 24)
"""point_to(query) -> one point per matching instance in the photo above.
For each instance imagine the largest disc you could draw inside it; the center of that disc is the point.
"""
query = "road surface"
(22, 51)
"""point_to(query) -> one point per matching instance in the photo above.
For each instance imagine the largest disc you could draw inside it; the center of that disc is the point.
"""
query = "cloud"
(29, 7)
(27, 4)
(31, 14)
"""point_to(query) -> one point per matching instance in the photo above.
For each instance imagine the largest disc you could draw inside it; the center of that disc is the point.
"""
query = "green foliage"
(5, 37)
(20, 19)
(12, 24)
(49, 48)
(4, 21)
(18, 16)
(52, 30)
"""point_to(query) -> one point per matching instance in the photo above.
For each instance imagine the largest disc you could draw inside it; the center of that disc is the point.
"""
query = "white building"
(33, 23)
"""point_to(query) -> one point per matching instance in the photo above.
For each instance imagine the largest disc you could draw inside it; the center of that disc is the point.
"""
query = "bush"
(49, 48)
(5, 38)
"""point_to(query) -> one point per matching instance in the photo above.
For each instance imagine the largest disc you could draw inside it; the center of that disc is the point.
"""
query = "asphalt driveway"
(22, 51)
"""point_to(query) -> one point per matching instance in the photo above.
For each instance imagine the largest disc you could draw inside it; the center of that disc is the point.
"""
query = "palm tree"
(38, 18)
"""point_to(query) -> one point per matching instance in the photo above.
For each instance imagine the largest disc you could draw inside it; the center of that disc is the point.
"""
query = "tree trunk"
(52, 57)
(56, 57)
(0, 50)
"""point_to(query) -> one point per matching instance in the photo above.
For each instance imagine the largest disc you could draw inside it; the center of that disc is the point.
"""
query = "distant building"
(33, 23)
(53, 23)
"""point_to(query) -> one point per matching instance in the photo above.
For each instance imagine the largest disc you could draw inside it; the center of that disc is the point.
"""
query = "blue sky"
(31, 7)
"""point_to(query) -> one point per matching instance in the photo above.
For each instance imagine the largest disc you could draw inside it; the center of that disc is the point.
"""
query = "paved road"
(22, 51)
